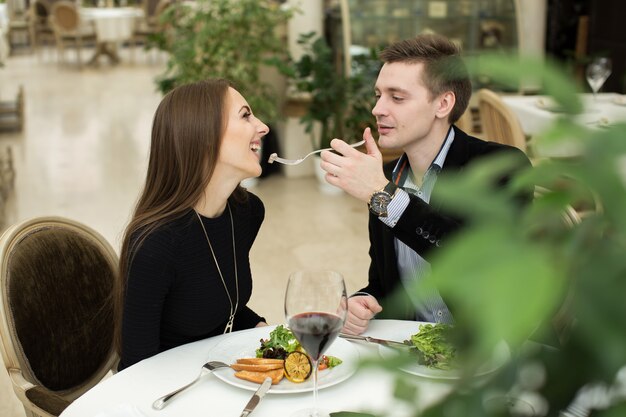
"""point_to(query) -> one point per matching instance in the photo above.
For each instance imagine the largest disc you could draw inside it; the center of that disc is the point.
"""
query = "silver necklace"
(233, 308)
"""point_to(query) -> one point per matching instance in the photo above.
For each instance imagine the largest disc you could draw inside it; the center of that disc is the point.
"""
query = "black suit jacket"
(423, 227)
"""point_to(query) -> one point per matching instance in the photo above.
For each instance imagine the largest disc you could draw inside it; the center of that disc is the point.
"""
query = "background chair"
(19, 25)
(67, 26)
(57, 278)
(40, 29)
(499, 123)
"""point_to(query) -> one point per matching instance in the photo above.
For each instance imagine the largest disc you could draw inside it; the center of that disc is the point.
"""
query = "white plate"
(244, 344)
(620, 100)
(403, 332)
(549, 105)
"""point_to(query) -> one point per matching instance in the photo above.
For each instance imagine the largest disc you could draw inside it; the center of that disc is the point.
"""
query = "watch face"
(379, 202)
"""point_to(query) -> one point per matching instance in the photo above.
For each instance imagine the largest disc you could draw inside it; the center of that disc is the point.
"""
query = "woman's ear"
(446, 103)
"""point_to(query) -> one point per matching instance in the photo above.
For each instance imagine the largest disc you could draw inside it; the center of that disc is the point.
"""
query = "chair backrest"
(57, 282)
(65, 16)
(499, 123)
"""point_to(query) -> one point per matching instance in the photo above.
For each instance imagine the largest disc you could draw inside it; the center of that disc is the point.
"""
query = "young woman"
(184, 261)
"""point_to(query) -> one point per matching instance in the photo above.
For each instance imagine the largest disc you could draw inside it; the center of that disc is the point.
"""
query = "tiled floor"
(83, 155)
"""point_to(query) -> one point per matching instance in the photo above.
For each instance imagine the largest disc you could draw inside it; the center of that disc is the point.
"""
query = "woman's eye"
(247, 115)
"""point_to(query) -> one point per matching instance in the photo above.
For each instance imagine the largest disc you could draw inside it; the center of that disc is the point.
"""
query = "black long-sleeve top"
(174, 292)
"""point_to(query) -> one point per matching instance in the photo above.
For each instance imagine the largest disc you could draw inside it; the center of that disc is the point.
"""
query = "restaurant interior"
(80, 82)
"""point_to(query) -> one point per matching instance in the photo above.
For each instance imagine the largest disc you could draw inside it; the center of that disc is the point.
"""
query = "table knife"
(256, 398)
(384, 342)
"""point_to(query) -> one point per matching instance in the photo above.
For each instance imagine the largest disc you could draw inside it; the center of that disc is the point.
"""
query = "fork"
(276, 158)
(206, 369)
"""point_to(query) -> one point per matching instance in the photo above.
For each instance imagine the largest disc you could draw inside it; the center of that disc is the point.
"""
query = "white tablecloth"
(535, 116)
(4, 29)
(132, 391)
(112, 24)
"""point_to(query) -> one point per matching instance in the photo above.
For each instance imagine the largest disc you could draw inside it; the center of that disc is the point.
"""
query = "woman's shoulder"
(166, 237)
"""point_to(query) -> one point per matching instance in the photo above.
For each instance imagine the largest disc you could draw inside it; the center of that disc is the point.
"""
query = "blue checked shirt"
(429, 306)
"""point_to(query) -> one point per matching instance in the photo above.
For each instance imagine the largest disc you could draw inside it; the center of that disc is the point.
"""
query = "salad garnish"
(433, 347)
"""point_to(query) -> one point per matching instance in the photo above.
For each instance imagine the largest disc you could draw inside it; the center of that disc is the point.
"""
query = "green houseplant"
(341, 104)
(553, 291)
(224, 38)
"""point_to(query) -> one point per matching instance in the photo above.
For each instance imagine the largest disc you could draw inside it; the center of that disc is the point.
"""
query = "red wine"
(315, 331)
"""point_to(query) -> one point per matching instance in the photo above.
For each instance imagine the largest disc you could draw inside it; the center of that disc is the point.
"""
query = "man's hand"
(357, 173)
(361, 309)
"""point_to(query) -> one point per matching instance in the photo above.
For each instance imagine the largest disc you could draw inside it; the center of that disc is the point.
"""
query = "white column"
(294, 142)
(531, 30)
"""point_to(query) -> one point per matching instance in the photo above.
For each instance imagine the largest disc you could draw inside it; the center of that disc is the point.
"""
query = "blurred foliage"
(340, 103)
(551, 289)
(223, 39)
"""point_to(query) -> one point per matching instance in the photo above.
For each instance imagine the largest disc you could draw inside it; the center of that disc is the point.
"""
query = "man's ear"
(446, 103)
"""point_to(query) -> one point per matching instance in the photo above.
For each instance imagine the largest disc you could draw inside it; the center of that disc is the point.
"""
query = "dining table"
(536, 113)
(113, 25)
(355, 388)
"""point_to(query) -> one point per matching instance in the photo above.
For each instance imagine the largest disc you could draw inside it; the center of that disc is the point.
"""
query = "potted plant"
(224, 38)
(552, 290)
(341, 104)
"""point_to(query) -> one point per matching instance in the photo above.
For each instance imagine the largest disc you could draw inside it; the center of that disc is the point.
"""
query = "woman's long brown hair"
(186, 136)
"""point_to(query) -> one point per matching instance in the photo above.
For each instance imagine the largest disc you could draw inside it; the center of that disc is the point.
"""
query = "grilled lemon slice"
(297, 367)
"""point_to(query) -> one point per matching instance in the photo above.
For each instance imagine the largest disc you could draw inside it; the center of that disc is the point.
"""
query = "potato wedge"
(256, 368)
(259, 377)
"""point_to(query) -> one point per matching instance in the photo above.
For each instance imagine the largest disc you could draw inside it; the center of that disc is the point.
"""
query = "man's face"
(404, 111)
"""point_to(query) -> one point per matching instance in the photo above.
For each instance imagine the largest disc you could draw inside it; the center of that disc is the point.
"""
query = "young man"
(422, 89)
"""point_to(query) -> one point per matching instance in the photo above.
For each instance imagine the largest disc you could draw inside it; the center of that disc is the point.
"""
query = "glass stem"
(314, 362)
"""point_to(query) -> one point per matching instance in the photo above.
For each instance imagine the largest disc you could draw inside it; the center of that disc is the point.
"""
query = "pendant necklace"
(233, 308)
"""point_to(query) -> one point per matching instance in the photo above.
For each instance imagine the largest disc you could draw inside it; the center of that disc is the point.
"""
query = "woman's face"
(241, 144)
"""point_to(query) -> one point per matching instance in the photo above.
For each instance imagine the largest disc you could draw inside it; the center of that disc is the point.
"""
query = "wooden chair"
(12, 113)
(68, 27)
(19, 25)
(57, 280)
(40, 30)
(499, 123)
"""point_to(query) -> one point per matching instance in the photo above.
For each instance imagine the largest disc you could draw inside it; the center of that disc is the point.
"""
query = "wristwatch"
(381, 199)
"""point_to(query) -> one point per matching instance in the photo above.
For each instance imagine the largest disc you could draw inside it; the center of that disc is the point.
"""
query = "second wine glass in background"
(315, 308)
(597, 73)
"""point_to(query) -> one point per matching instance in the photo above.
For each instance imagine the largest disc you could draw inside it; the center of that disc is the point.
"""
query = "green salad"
(433, 347)
(282, 342)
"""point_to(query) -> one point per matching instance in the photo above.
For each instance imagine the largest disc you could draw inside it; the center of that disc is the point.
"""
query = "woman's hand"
(261, 324)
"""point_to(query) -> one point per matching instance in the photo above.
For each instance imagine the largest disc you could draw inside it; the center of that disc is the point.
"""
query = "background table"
(535, 116)
(113, 26)
(4, 29)
(138, 386)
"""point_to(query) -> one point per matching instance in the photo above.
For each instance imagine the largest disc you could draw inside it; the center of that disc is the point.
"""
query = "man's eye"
(396, 98)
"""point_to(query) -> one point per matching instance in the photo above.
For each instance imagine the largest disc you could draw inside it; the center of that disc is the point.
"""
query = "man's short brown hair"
(444, 69)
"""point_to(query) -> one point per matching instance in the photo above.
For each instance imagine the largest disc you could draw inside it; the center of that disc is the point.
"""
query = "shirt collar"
(402, 168)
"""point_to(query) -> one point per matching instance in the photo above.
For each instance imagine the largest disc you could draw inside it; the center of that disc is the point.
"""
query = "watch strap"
(390, 188)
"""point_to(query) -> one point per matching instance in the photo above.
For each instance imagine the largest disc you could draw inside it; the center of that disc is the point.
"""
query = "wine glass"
(315, 307)
(597, 72)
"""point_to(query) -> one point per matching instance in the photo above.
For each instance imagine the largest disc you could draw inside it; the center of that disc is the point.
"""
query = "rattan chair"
(57, 280)
(498, 122)
(67, 26)
(39, 21)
